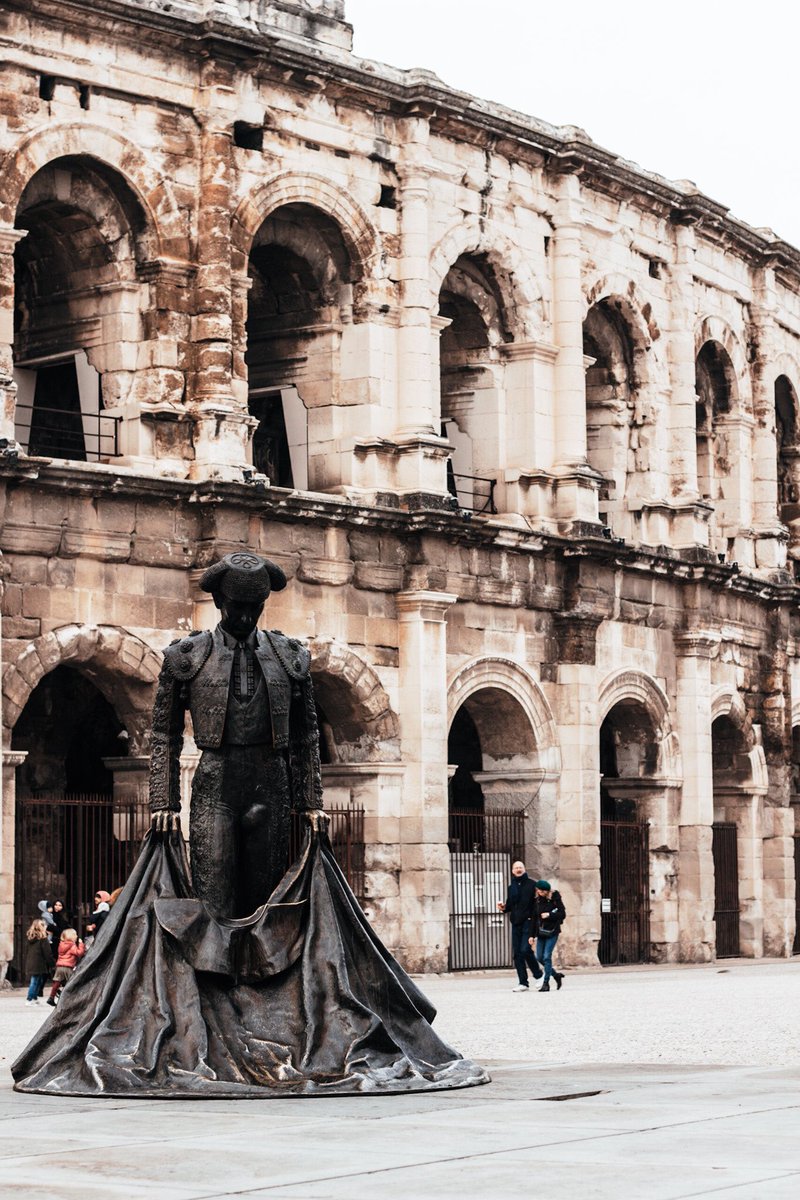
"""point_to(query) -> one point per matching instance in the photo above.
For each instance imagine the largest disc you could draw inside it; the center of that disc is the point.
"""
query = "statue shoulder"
(184, 657)
(294, 656)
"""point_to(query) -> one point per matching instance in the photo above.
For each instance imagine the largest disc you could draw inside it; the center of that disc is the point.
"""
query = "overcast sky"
(691, 89)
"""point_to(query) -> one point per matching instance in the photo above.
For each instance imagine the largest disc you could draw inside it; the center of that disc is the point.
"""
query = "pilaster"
(694, 650)
(424, 875)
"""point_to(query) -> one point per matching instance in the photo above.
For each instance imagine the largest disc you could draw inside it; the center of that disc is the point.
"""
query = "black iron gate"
(625, 889)
(482, 849)
(68, 846)
(796, 946)
(726, 888)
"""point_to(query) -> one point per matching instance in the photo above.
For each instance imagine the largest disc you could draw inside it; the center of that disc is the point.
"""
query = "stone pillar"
(414, 458)
(769, 532)
(734, 434)
(577, 485)
(690, 515)
(779, 894)
(8, 813)
(695, 865)
(378, 789)
(578, 814)
(530, 430)
(222, 426)
(424, 855)
(8, 389)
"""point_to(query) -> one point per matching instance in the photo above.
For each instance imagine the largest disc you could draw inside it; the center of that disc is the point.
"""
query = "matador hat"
(243, 576)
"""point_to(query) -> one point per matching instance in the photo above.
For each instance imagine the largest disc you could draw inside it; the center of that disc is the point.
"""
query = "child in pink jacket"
(70, 951)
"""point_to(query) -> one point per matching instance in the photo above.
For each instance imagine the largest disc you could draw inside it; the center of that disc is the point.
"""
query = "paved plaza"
(656, 1083)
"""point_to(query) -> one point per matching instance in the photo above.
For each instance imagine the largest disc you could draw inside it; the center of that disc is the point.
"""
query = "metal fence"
(726, 888)
(625, 888)
(482, 849)
(70, 434)
(68, 846)
(474, 493)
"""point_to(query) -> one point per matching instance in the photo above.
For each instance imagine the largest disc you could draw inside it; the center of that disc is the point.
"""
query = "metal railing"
(70, 434)
(477, 498)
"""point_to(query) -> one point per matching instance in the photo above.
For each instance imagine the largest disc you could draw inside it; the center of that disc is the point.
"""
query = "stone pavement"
(571, 1129)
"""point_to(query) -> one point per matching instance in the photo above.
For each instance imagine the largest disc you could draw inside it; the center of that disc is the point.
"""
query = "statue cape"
(301, 998)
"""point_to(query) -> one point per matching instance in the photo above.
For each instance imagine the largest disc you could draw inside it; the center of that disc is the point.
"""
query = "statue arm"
(166, 745)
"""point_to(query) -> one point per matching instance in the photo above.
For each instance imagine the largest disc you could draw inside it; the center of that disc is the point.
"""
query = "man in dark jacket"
(548, 916)
(519, 907)
(252, 706)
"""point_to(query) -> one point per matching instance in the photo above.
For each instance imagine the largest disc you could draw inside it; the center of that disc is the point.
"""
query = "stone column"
(770, 534)
(222, 427)
(424, 855)
(690, 516)
(578, 814)
(8, 813)
(8, 389)
(530, 429)
(696, 865)
(415, 460)
(577, 485)
(779, 888)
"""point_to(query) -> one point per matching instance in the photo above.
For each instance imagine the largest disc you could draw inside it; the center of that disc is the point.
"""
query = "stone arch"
(635, 686)
(123, 668)
(785, 364)
(506, 675)
(715, 329)
(726, 702)
(516, 280)
(358, 232)
(637, 313)
(166, 233)
(364, 727)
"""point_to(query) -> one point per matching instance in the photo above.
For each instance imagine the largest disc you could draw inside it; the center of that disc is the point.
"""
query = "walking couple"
(536, 913)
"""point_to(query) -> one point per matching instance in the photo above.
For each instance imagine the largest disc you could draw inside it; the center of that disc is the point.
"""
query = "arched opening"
(787, 446)
(301, 292)
(732, 774)
(77, 300)
(70, 837)
(629, 751)
(715, 390)
(611, 410)
(494, 781)
(471, 374)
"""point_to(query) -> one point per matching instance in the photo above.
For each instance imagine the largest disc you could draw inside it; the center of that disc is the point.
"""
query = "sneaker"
(33, 1001)
(521, 987)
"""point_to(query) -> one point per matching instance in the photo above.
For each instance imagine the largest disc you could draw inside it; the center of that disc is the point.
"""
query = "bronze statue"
(239, 978)
(252, 707)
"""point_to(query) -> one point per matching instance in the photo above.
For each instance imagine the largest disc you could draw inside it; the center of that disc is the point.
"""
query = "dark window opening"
(84, 95)
(464, 752)
(270, 443)
(248, 137)
(47, 87)
(342, 153)
(388, 196)
(56, 421)
(654, 268)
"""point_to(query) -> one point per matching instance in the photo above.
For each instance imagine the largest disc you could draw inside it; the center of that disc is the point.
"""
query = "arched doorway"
(494, 782)
(71, 839)
(731, 773)
(629, 752)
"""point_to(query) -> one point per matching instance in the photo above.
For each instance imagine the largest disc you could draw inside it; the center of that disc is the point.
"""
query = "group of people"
(536, 913)
(54, 947)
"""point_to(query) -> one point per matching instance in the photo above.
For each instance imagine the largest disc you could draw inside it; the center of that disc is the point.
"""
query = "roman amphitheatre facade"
(517, 418)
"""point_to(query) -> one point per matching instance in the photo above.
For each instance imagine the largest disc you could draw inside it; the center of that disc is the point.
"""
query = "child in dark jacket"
(38, 959)
(70, 951)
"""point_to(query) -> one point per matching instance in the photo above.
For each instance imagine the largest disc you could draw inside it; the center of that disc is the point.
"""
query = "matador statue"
(251, 702)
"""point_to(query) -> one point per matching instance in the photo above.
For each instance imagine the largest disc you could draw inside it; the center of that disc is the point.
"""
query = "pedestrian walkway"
(658, 1131)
